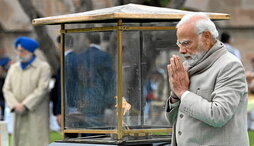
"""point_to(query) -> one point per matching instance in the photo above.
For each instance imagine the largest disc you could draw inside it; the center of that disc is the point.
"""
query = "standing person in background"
(97, 82)
(249, 78)
(208, 103)
(4, 66)
(70, 69)
(70, 75)
(25, 91)
(250, 74)
(55, 93)
(151, 85)
(226, 39)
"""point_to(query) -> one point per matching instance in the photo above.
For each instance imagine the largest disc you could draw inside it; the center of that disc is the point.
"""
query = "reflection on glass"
(91, 87)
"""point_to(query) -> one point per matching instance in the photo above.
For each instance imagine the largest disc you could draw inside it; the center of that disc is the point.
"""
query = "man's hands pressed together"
(20, 108)
(178, 76)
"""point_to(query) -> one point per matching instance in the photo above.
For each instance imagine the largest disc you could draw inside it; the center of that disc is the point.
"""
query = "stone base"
(103, 140)
(85, 144)
(4, 138)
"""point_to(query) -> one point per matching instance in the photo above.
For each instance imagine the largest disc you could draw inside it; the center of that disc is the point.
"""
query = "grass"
(57, 136)
(53, 137)
(251, 137)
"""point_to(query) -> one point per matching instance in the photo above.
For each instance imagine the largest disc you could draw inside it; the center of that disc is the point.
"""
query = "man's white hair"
(203, 24)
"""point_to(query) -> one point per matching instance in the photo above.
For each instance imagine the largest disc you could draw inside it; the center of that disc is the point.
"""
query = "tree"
(47, 46)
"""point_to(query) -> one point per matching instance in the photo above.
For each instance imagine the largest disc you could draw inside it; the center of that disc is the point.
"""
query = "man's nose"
(19, 53)
(182, 50)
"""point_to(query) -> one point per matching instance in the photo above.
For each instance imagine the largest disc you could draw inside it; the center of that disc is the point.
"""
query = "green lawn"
(251, 137)
(57, 136)
(53, 137)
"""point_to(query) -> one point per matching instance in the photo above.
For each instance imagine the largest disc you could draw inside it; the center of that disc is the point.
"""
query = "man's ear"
(207, 38)
(207, 35)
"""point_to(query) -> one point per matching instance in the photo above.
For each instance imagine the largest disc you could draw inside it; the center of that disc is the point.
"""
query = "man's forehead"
(20, 48)
(186, 29)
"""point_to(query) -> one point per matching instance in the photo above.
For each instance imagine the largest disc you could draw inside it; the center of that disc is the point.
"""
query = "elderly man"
(25, 91)
(208, 103)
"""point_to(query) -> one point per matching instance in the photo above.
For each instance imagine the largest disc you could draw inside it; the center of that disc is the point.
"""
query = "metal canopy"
(128, 13)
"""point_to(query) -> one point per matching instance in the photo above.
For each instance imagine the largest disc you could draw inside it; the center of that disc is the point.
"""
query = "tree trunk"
(47, 46)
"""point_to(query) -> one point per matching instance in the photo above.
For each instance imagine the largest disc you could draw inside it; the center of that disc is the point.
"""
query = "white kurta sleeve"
(8, 90)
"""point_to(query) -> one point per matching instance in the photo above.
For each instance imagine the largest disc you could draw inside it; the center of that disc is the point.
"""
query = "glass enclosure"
(91, 79)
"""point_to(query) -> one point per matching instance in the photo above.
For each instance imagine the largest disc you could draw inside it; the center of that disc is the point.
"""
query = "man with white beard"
(208, 102)
(26, 94)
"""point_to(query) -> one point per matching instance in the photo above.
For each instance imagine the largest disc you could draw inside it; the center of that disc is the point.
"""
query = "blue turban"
(4, 61)
(27, 43)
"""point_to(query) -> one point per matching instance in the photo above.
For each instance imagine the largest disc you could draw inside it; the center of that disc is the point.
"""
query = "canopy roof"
(128, 13)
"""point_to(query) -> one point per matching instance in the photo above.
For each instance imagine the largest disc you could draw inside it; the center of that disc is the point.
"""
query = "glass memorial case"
(113, 72)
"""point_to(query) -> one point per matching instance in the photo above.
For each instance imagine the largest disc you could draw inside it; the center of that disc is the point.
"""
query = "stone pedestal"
(4, 140)
(83, 144)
